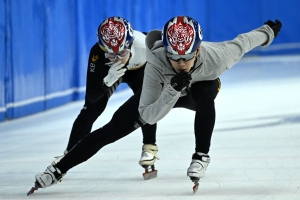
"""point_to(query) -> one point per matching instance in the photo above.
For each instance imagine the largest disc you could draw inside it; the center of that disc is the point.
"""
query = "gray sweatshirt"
(158, 96)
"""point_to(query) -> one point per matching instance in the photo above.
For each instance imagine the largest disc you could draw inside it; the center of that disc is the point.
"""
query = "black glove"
(181, 80)
(275, 26)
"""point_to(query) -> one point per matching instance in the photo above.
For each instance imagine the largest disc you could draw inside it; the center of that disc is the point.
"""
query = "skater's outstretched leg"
(124, 121)
(83, 124)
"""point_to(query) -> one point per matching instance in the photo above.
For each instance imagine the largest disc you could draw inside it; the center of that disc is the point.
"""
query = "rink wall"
(44, 44)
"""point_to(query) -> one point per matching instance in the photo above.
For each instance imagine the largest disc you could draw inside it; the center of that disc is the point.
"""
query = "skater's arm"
(156, 102)
(221, 56)
(228, 53)
(96, 71)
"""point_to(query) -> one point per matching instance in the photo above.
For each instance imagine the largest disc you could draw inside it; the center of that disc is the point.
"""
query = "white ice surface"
(255, 151)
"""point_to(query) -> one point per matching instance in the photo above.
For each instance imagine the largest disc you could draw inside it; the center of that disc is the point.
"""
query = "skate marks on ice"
(259, 122)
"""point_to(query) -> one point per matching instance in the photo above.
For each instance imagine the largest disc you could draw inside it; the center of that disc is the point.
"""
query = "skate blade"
(195, 180)
(150, 175)
(31, 191)
(196, 186)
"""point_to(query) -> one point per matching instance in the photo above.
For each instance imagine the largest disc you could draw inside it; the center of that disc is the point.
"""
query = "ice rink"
(255, 151)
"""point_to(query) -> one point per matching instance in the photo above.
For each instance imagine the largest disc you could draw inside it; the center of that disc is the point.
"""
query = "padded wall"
(2, 61)
(60, 52)
(25, 86)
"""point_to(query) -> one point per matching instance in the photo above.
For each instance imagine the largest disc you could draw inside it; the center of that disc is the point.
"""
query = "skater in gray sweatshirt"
(183, 71)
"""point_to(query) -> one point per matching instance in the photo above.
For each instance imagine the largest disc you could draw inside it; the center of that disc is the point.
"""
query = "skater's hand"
(181, 80)
(114, 73)
(275, 26)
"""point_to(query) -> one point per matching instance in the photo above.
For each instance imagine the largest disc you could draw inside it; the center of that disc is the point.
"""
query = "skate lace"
(56, 157)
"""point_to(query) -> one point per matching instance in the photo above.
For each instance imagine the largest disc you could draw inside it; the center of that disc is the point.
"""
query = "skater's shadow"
(137, 179)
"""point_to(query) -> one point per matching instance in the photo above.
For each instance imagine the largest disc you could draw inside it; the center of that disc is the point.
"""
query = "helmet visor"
(121, 54)
(185, 58)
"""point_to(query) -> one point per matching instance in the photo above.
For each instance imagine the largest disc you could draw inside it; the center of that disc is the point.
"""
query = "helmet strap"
(125, 66)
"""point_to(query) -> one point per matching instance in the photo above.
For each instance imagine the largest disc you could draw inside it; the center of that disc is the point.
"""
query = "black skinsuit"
(127, 119)
(97, 96)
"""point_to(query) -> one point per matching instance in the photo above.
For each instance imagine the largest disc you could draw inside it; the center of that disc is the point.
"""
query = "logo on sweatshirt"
(135, 66)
